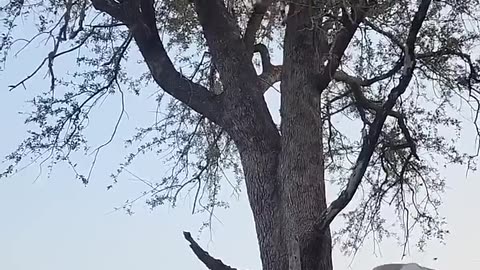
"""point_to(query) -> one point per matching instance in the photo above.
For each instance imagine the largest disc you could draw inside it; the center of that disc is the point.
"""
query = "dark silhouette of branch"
(210, 262)
(220, 28)
(52, 55)
(111, 7)
(351, 22)
(472, 77)
(385, 33)
(270, 73)
(386, 75)
(364, 103)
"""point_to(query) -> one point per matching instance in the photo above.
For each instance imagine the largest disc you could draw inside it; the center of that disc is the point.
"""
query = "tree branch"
(110, 7)
(340, 44)
(473, 76)
(399, 64)
(229, 53)
(255, 21)
(384, 76)
(364, 103)
(210, 262)
(264, 54)
(270, 73)
(219, 27)
(385, 33)
(141, 21)
(370, 139)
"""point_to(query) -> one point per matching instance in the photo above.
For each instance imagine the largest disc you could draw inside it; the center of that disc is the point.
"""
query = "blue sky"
(57, 223)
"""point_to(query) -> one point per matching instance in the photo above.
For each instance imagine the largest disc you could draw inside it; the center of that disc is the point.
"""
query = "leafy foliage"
(420, 135)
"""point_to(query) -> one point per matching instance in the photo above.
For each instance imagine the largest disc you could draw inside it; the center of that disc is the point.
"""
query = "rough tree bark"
(284, 170)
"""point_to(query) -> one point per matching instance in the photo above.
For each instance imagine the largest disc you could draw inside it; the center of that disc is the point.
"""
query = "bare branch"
(210, 262)
(51, 56)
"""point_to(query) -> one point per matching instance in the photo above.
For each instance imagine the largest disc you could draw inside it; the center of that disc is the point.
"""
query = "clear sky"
(56, 223)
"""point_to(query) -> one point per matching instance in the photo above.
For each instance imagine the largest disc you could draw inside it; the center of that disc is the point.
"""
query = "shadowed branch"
(270, 73)
(371, 137)
(210, 262)
(142, 22)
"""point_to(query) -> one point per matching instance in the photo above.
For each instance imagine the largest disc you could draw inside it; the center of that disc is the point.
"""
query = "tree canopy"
(373, 97)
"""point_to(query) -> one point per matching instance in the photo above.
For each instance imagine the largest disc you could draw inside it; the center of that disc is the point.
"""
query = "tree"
(398, 70)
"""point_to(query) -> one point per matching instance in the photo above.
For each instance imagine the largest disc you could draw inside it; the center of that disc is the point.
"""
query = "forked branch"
(139, 16)
(220, 29)
(370, 139)
(363, 103)
(341, 42)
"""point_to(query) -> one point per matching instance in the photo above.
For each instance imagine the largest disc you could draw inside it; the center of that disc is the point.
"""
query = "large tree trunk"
(260, 169)
(285, 182)
(284, 174)
(301, 162)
